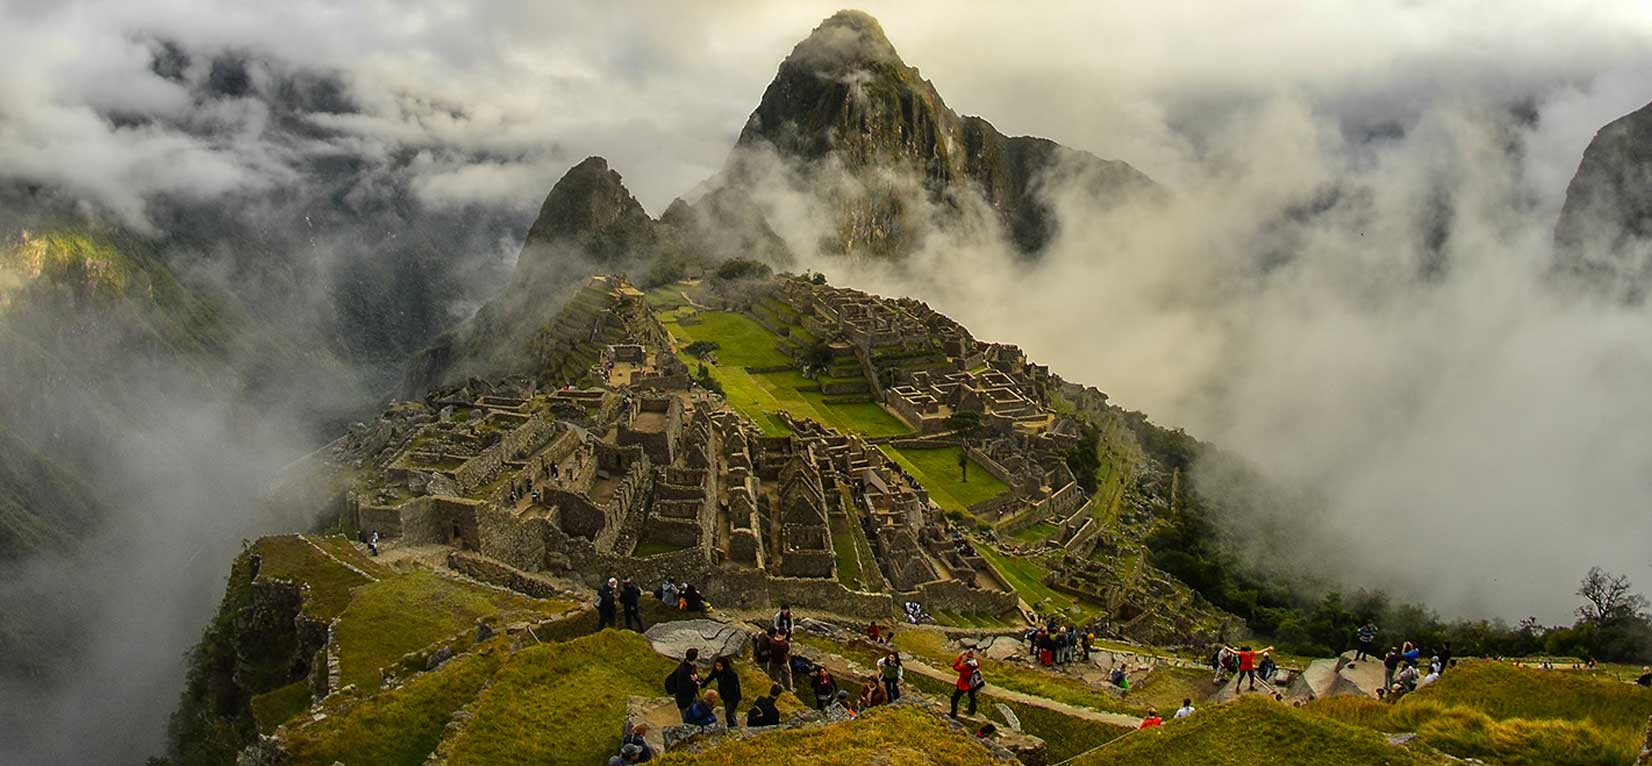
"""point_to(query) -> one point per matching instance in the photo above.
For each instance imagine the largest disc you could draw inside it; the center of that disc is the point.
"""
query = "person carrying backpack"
(1390, 663)
(891, 674)
(684, 683)
(763, 712)
(606, 600)
(969, 681)
(630, 599)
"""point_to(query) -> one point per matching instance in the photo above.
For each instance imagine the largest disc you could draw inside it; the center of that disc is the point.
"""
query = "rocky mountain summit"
(1605, 229)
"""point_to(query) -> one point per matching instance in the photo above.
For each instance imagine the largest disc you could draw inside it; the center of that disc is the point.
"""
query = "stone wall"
(440, 521)
(516, 444)
(381, 519)
(955, 596)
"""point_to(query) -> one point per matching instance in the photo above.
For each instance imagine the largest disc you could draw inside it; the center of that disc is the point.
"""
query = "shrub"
(743, 268)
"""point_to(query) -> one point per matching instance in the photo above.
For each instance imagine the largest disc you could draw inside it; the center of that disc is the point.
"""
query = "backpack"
(976, 681)
(671, 684)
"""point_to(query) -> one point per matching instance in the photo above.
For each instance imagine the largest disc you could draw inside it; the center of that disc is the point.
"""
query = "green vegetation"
(743, 268)
(741, 340)
(937, 470)
(1034, 532)
(272, 709)
(1168, 685)
(395, 616)
(1255, 731)
(399, 727)
(561, 703)
(880, 735)
(847, 545)
(290, 557)
(926, 645)
(1064, 736)
(1026, 576)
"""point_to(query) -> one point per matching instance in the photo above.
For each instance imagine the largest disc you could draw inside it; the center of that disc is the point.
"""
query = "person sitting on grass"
(1151, 720)
(986, 731)
(763, 712)
(704, 710)
(692, 600)
(1646, 676)
(1186, 709)
(1118, 677)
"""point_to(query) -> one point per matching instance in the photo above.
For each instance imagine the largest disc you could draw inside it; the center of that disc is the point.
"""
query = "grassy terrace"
(1026, 576)
(927, 646)
(290, 557)
(745, 343)
(1254, 731)
(392, 617)
(937, 470)
(880, 736)
(399, 727)
(1515, 716)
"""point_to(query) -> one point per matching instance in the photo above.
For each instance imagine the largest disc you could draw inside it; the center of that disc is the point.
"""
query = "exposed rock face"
(591, 207)
(844, 100)
(1605, 229)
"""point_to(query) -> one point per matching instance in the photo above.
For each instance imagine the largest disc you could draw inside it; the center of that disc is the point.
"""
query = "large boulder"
(712, 638)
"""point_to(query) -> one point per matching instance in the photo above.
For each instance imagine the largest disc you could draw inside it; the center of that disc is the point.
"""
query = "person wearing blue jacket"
(703, 712)
(1411, 654)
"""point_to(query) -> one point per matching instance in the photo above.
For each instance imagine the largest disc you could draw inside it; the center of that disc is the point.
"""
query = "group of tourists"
(1056, 645)
(624, 595)
(1402, 669)
(1244, 664)
(682, 596)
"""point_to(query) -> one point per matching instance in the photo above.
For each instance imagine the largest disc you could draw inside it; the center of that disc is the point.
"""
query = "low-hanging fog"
(1348, 282)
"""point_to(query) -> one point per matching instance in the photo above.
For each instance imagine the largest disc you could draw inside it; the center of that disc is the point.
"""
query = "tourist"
(823, 685)
(1221, 662)
(638, 737)
(606, 596)
(986, 731)
(1186, 709)
(668, 594)
(838, 707)
(1118, 677)
(728, 685)
(969, 680)
(1434, 665)
(684, 682)
(1407, 678)
(692, 600)
(1268, 668)
(1247, 665)
(629, 754)
(874, 633)
(780, 659)
(872, 693)
(1411, 654)
(891, 673)
(761, 648)
(783, 620)
(1151, 720)
(630, 599)
(1445, 657)
(1646, 676)
(1433, 676)
(1087, 644)
(763, 712)
(373, 543)
(1367, 637)
(703, 711)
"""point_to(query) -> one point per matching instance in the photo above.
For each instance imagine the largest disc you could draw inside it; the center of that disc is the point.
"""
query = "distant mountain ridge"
(1604, 233)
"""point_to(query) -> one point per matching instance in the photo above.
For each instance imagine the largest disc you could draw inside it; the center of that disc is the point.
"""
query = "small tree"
(965, 424)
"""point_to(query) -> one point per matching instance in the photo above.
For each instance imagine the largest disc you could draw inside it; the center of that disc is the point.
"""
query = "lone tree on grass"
(1611, 597)
(966, 425)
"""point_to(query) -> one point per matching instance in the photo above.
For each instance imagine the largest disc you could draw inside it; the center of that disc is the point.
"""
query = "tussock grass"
(1252, 731)
(880, 736)
(399, 727)
(392, 617)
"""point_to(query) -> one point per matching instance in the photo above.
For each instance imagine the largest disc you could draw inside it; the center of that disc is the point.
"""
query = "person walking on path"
(630, 599)
(1367, 637)
(728, 686)
(891, 674)
(606, 600)
(684, 683)
(1247, 665)
(780, 659)
(969, 680)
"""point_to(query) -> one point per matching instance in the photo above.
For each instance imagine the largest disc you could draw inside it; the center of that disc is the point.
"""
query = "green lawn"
(880, 736)
(289, 557)
(401, 614)
(1033, 533)
(399, 727)
(937, 470)
(854, 556)
(742, 342)
(1254, 731)
(1026, 575)
(272, 709)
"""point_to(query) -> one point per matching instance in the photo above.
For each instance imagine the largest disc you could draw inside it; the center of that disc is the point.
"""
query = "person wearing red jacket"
(1151, 720)
(969, 680)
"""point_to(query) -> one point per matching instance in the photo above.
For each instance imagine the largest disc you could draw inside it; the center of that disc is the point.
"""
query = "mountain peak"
(845, 41)
(589, 201)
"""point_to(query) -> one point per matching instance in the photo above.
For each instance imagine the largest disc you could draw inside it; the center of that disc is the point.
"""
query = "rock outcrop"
(1604, 234)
